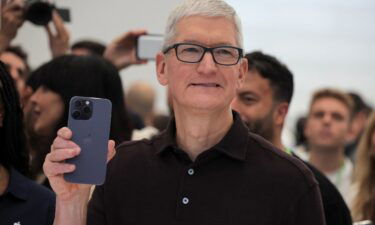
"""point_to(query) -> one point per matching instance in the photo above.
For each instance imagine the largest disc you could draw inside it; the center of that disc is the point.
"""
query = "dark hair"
(337, 94)
(13, 151)
(92, 46)
(90, 76)
(18, 51)
(359, 105)
(281, 79)
(300, 137)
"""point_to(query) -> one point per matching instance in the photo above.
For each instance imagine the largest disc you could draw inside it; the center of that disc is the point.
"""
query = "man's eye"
(224, 52)
(21, 73)
(337, 116)
(190, 50)
(248, 100)
(318, 115)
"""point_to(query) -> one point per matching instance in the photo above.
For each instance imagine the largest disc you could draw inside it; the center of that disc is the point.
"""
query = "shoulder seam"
(276, 152)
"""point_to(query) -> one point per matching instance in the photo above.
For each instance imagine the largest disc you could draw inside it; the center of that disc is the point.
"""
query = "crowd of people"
(218, 158)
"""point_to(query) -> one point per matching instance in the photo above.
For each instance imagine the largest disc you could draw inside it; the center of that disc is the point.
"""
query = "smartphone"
(149, 45)
(90, 120)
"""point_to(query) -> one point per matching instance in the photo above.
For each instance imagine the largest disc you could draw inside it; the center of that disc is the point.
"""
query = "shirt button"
(185, 201)
(191, 171)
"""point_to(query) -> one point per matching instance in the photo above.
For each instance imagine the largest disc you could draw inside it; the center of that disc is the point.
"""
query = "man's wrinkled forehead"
(194, 29)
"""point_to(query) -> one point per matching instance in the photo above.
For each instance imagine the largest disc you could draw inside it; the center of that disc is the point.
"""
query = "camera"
(82, 109)
(39, 12)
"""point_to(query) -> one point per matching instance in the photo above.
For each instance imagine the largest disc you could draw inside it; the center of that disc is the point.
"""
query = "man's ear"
(160, 69)
(242, 72)
(280, 113)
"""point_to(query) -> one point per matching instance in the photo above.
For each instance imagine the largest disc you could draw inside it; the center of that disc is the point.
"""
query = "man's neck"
(4, 179)
(328, 160)
(276, 140)
(199, 131)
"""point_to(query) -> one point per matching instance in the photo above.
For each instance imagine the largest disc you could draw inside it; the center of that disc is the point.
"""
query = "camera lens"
(86, 109)
(38, 12)
(76, 114)
(78, 103)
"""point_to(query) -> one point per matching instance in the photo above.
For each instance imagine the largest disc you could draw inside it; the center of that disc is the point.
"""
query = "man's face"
(204, 85)
(254, 102)
(327, 125)
(17, 69)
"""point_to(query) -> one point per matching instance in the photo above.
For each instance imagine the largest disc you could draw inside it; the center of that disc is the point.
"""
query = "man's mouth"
(209, 85)
(325, 133)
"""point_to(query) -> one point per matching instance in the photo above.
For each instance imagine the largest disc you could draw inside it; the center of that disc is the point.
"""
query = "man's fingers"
(130, 35)
(62, 154)
(60, 143)
(111, 150)
(54, 169)
(138, 32)
(13, 6)
(65, 133)
(59, 25)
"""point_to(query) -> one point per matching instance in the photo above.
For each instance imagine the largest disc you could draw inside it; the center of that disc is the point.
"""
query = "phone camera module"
(78, 103)
(76, 114)
(86, 110)
(82, 109)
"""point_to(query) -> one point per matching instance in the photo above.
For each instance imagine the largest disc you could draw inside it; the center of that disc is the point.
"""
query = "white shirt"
(341, 178)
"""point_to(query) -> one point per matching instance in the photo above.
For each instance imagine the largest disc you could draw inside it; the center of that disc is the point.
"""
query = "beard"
(262, 126)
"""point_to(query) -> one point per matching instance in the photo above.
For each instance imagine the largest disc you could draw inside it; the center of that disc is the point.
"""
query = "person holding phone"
(205, 168)
(54, 84)
(22, 201)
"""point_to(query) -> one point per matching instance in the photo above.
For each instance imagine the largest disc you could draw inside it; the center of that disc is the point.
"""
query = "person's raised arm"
(11, 16)
(59, 38)
(71, 199)
(122, 51)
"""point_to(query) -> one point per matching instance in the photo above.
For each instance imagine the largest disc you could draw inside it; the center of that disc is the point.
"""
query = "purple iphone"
(90, 120)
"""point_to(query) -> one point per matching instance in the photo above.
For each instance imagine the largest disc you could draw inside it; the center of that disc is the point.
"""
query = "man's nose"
(34, 97)
(207, 65)
(327, 118)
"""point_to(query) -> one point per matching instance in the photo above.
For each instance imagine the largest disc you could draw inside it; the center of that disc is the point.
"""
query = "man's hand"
(11, 13)
(54, 167)
(58, 41)
(122, 51)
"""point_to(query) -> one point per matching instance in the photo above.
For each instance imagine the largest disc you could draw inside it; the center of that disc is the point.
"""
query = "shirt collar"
(17, 185)
(233, 144)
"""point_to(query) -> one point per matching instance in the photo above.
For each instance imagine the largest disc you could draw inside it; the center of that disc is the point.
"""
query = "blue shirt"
(26, 202)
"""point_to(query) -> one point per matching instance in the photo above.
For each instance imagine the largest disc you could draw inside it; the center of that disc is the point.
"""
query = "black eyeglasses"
(193, 53)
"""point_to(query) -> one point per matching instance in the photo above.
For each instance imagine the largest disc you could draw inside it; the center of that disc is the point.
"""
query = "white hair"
(206, 8)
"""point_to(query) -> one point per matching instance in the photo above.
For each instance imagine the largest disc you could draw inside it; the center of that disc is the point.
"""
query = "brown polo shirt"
(241, 180)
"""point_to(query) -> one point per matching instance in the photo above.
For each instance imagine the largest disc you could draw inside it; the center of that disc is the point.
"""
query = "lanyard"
(338, 177)
(288, 150)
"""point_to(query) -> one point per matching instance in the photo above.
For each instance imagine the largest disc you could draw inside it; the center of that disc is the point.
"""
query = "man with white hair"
(206, 168)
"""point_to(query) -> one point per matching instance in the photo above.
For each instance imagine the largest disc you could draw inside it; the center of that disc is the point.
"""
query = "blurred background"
(325, 43)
